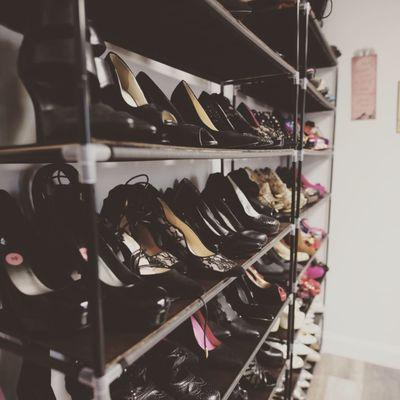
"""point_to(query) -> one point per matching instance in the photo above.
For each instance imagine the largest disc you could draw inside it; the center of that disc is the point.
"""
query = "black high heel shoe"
(61, 212)
(218, 186)
(187, 199)
(192, 111)
(125, 93)
(251, 190)
(223, 313)
(183, 134)
(242, 300)
(222, 111)
(172, 233)
(47, 66)
(30, 288)
(142, 254)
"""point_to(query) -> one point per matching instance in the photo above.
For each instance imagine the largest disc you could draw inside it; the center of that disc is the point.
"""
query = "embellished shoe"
(167, 228)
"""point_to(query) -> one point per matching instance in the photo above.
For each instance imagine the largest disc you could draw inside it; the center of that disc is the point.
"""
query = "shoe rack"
(210, 43)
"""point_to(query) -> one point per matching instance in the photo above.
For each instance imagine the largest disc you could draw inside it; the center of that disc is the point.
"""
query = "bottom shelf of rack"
(226, 380)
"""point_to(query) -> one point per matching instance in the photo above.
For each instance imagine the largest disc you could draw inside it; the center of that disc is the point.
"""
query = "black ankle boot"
(223, 313)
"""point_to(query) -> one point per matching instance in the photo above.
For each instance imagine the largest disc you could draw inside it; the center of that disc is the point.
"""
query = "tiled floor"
(338, 378)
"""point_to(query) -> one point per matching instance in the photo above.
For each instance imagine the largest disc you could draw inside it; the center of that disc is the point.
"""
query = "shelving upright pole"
(303, 12)
(87, 163)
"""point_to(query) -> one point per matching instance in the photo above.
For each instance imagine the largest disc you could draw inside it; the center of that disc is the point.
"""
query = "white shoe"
(299, 318)
(311, 328)
(313, 356)
(305, 375)
(304, 384)
(301, 349)
(306, 338)
(298, 394)
(298, 362)
(277, 345)
(275, 326)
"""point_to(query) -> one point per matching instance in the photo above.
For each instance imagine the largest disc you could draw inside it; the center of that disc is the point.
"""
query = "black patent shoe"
(226, 189)
(188, 200)
(270, 356)
(172, 233)
(192, 112)
(222, 312)
(61, 213)
(47, 65)
(268, 294)
(242, 300)
(40, 300)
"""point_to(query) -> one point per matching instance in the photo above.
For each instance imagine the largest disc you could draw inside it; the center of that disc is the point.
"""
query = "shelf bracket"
(300, 155)
(303, 83)
(296, 78)
(86, 155)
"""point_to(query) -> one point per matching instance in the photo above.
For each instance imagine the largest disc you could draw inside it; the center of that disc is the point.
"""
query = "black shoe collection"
(125, 107)
(157, 250)
(154, 249)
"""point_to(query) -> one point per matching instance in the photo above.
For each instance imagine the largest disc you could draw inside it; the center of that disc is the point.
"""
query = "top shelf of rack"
(278, 29)
(197, 36)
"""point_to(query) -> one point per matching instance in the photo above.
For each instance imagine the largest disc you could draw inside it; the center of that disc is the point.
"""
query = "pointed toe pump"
(175, 235)
(183, 134)
(47, 67)
(188, 200)
(193, 112)
(31, 289)
(229, 192)
(125, 93)
(140, 252)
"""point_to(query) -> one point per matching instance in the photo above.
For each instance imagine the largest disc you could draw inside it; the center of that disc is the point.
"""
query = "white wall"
(363, 318)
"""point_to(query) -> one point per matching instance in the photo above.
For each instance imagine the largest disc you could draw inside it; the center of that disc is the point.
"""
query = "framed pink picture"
(363, 85)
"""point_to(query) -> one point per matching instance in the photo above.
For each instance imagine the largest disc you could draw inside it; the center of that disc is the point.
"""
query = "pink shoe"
(317, 233)
(315, 272)
(316, 186)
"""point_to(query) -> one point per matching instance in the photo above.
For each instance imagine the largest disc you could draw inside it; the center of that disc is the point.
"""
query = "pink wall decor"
(363, 85)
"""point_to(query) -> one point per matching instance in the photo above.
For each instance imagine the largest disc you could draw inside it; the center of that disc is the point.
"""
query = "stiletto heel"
(193, 112)
(225, 189)
(171, 232)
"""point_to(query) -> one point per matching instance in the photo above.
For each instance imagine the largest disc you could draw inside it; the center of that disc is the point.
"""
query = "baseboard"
(363, 350)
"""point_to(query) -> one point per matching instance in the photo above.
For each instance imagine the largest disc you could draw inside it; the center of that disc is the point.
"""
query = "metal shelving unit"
(210, 43)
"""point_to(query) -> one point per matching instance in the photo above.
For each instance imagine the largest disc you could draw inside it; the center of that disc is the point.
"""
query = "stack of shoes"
(310, 193)
(124, 107)
(313, 138)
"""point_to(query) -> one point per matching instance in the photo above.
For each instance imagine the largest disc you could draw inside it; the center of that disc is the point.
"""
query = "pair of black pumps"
(123, 107)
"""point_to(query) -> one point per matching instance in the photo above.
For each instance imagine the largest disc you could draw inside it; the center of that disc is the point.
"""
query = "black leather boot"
(223, 313)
